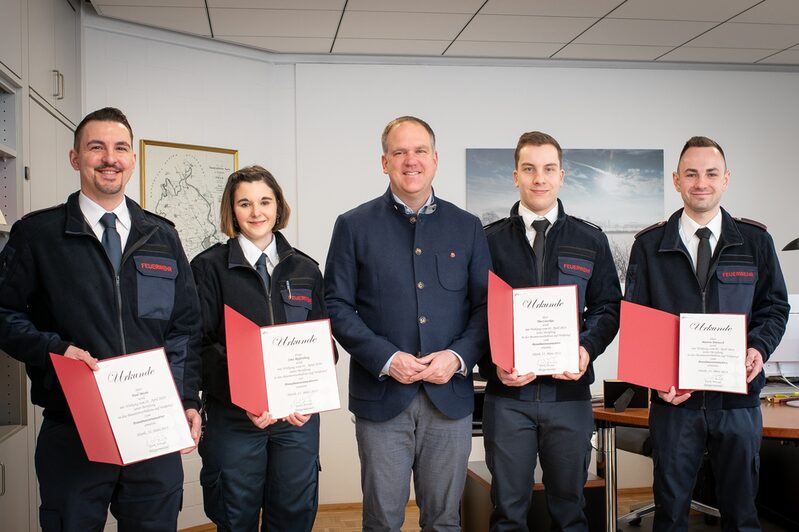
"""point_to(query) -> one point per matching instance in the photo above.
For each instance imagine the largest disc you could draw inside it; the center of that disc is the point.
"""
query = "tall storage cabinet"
(40, 106)
(53, 58)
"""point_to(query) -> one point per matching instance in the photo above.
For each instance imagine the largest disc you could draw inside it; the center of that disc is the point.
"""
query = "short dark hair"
(701, 142)
(537, 138)
(106, 114)
(397, 121)
(250, 174)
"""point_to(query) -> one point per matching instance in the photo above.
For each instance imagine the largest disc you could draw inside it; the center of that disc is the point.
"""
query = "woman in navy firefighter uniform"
(253, 463)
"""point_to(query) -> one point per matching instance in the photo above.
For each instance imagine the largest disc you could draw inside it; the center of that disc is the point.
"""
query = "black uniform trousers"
(559, 434)
(247, 470)
(76, 493)
(680, 437)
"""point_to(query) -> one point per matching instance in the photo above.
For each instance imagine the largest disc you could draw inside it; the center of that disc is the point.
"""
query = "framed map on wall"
(184, 183)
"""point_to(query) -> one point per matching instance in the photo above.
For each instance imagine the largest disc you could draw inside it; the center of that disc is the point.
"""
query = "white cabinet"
(11, 35)
(14, 492)
(51, 177)
(53, 58)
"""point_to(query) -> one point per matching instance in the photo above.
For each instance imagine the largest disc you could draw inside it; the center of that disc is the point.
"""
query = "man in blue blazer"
(405, 286)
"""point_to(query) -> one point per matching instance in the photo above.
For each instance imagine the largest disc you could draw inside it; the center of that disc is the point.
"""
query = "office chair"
(636, 440)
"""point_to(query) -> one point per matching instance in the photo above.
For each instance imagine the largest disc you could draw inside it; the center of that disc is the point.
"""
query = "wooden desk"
(779, 422)
(476, 501)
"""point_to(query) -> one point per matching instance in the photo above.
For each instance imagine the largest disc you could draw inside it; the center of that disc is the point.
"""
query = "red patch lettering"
(154, 266)
(737, 274)
(300, 298)
(576, 267)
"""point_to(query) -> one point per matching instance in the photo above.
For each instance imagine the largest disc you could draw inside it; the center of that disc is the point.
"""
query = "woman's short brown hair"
(251, 174)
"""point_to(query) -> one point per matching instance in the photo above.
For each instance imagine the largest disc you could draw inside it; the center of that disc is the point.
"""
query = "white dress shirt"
(92, 212)
(529, 217)
(688, 229)
(252, 252)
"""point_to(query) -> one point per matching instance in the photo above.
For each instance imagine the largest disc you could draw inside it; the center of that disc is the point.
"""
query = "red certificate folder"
(246, 370)
(245, 363)
(86, 405)
(649, 347)
(500, 322)
(88, 409)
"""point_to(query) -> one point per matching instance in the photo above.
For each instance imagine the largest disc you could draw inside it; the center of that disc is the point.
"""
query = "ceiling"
(764, 32)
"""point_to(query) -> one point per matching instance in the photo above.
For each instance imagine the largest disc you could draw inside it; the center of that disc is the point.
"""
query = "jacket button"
(418, 251)
(420, 285)
(412, 219)
(422, 319)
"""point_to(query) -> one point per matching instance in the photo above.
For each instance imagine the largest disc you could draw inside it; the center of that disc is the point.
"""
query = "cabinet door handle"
(60, 86)
(2, 479)
(56, 84)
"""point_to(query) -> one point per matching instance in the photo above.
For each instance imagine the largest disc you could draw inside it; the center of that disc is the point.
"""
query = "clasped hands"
(435, 368)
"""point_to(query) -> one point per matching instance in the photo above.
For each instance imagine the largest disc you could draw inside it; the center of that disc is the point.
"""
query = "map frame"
(210, 165)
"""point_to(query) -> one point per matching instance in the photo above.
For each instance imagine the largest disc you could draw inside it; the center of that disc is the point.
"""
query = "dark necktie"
(703, 256)
(260, 267)
(540, 227)
(111, 241)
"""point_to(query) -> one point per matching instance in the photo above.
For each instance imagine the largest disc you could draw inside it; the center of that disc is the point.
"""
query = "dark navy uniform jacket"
(397, 282)
(745, 278)
(58, 288)
(576, 253)
(224, 277)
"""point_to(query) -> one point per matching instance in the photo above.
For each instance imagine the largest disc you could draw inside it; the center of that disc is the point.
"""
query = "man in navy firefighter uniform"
(549, 416)
(405, 286)
(94, 278)
(702, 260)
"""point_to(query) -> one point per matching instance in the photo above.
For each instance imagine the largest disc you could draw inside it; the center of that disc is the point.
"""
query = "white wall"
(317, 126)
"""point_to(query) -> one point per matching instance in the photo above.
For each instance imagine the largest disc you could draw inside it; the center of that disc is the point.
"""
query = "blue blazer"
(397, 282)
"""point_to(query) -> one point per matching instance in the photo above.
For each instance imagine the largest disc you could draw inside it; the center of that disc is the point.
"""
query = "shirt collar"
(93, 212)
(688, 226)
(252, 253)
(529, 216)
(428, 208)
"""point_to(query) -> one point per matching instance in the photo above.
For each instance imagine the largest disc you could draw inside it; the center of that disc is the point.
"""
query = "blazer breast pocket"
(452, 270)
(155, 280)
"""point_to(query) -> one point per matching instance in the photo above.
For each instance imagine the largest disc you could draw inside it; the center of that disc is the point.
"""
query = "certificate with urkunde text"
(281, 369)
(713, 352)
(533, 329)
(127, 411)
(546, 338)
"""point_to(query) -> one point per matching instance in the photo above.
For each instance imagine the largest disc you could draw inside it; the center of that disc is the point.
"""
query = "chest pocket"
(155, 281)
(451, 267)
(297, 303)
(736, 287)
(577, 271)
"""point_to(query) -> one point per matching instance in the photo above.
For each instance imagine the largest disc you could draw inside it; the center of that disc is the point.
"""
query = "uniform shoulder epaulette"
(751, 222)
(155, 215)
(42, 211)
(495, 224)
(208, 250)
(300, 252)
(586, 222)
(651, 227)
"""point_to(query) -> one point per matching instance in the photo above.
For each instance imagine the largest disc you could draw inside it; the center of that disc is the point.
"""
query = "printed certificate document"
(690, 352)
(533, 329)
(281, 369)
(713, 352)
(127, 411)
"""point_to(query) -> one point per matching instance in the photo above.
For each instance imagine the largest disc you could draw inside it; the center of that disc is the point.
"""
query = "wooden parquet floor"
(347, 517)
